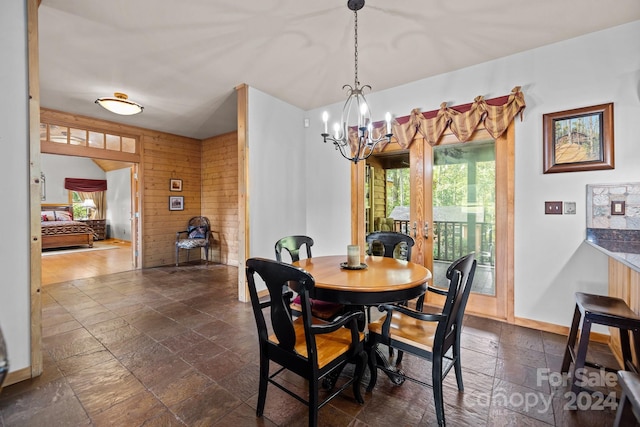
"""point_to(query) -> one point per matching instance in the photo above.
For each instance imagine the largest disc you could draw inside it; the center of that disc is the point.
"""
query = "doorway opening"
(387, 193)
(113, 249)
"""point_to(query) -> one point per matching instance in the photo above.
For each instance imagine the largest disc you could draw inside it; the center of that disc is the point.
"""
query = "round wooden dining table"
(383, 280)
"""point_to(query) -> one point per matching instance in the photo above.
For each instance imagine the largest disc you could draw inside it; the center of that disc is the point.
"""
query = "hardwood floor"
(173, 346)
(64, 265)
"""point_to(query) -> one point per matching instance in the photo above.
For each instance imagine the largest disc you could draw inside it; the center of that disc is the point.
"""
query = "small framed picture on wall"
(176, 203)
(175, 185)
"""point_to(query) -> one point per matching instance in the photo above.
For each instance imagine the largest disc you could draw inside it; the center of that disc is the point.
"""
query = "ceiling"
(183, 59)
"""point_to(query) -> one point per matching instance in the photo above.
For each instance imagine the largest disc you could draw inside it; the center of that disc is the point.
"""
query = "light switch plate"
(553, 208)
(570, 208)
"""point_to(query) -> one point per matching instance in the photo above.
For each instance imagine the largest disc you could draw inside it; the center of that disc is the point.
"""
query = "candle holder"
(353, 259)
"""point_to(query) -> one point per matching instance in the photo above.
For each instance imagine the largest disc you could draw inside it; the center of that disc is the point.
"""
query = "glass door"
(469, 208)
(460, 201)
(464, 210)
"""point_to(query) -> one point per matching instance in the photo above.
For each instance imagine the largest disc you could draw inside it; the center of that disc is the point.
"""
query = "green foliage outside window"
(449, 187)
(79, 211)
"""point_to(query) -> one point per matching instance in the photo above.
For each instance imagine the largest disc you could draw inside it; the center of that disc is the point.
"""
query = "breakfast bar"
(613, 227)
(624, 275)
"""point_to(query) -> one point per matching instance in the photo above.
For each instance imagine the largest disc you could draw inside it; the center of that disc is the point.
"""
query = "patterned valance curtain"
(462, 120)
(85, 185)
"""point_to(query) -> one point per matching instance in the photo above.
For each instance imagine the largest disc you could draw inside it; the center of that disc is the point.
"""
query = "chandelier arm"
(335, 141)
(341, 150)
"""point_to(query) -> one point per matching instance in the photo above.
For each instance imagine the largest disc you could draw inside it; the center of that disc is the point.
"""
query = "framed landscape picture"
(579, 139)
(176, 203)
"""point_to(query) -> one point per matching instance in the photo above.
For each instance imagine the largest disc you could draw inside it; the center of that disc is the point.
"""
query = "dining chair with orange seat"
(430, 336)
(306, 346)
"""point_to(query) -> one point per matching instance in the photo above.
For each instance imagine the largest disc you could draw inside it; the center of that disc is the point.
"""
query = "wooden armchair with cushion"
(197, 235)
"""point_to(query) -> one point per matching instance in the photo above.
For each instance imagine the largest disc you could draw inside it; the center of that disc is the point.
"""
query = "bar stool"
(602, 310)
(630, 383)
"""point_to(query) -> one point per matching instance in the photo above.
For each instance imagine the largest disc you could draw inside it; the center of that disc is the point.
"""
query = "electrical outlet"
(617, 207)
(553, 208)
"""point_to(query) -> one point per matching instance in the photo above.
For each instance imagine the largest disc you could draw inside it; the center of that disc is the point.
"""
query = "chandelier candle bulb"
(325, 119)
(388, 117)
(353, 255)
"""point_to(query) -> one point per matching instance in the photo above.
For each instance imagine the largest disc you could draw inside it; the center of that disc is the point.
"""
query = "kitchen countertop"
(621, 245)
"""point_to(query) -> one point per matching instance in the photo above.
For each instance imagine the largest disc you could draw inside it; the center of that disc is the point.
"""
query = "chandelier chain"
(355, 44)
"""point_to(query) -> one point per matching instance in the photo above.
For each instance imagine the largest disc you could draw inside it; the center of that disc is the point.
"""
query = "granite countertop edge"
(621, 245)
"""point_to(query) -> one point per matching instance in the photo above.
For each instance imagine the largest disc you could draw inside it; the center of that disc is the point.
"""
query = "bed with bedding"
(59, 230)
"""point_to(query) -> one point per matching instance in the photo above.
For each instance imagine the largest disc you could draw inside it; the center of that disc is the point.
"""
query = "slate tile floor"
(173, 346)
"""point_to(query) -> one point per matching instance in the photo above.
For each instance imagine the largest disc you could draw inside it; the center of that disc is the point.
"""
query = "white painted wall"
(119, 204)
(14, 185)
(276, 172)
(56, 168)
(551, 260)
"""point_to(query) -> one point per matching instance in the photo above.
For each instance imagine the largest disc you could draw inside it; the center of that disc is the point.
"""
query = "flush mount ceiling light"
(354, 135)
(120, 104)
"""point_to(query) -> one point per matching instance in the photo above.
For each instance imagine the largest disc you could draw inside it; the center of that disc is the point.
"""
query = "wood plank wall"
(166, 157)
(220, 194)
(620, 281)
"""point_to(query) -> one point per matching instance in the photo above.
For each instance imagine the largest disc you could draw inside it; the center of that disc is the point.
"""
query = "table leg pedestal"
(377, 359)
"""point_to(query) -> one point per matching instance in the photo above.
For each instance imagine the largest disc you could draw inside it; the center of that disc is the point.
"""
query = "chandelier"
(354, 137)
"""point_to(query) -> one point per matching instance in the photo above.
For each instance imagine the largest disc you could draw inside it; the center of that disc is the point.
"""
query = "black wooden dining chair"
(390, 244)
(306, 346)
(430, 336)
(293, 245)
